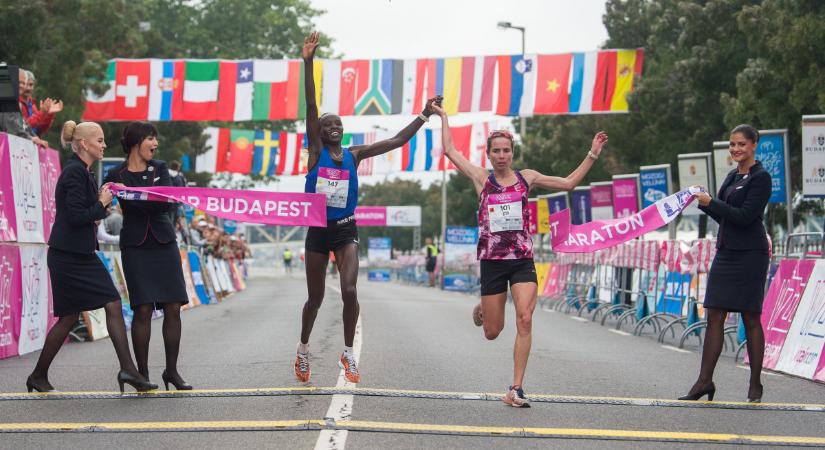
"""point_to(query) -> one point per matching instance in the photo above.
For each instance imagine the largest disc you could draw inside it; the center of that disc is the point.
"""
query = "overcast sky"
(439, 28)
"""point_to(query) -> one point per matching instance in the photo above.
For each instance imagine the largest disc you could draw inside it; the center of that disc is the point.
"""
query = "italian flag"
(102, 107)
(199, 97)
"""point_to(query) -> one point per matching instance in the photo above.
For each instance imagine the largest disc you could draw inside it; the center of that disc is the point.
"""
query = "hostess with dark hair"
(736, 281)
(149, 250)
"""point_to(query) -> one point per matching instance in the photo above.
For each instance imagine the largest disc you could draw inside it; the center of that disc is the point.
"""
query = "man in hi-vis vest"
(432, 255)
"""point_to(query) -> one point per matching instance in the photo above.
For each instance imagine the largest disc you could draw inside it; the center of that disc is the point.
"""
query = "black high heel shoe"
(709, 390)
(137, 382)
(43, 386)
(180, 386)
(755, 398)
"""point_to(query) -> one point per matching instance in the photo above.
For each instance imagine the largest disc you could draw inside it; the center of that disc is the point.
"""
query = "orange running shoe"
(478, 318)
(350, 368)
(515, 398)
(302, 371)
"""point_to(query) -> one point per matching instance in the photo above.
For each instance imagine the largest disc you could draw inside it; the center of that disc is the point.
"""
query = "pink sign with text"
(8, 217)
(625, 197)
(49, 172)
(781, 302)
(10, 300)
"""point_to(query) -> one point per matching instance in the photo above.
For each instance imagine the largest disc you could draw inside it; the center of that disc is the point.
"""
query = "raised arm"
(476, 174)
(313, 125)
(536, 179)
(362, 152)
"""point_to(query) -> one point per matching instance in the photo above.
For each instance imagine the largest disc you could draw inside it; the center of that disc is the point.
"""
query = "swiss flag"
(132, 90)
(551, 84)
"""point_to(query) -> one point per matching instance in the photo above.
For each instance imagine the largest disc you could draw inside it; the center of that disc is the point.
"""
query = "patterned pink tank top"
(504, 221)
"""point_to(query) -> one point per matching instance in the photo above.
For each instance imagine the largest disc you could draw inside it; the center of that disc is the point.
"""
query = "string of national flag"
(264, 90)
(273, 153)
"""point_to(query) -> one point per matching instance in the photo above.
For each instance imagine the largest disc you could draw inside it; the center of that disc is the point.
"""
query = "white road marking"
(340, 407)
(623, 333)
(676, 349)
(580, 319)
(764, 372)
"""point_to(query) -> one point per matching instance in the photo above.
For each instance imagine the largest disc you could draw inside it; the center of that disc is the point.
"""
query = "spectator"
(39, 118)
(177, 176)
(195, 233)
(106, 238)
(114, 221)
(11, 119)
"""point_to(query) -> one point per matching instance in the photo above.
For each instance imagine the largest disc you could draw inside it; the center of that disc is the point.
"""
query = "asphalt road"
(411, 338)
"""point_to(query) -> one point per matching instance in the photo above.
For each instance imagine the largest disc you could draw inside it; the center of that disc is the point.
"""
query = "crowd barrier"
(658, 288)
(26, 312)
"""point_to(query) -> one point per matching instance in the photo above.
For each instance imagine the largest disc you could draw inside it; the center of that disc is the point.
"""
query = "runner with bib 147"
(333, 171)
(505, 247)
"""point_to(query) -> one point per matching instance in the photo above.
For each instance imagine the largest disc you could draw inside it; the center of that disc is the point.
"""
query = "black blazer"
(740, 214)
(78, 208)
(142, 217)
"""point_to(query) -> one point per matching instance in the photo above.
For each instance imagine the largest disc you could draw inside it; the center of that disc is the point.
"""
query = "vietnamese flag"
(551, 84)
(241, 149)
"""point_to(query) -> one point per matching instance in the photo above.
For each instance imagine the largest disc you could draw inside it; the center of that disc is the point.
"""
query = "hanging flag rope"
(267, 208)
(243, 90)
(601, 234)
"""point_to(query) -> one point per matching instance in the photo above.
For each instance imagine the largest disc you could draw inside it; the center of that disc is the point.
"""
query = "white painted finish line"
(340, 406)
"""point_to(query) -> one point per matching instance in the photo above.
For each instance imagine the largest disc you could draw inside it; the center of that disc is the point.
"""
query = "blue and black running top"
(339, 182)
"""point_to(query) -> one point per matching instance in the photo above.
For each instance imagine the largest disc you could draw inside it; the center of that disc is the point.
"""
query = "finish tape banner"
(268, 208)
(601, 234)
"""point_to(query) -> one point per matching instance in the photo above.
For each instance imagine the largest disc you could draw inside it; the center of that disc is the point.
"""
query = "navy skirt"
(80, 282)
(154, 274)
(736, 281)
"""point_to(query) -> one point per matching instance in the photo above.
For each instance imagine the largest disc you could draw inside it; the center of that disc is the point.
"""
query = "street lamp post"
(505, 26)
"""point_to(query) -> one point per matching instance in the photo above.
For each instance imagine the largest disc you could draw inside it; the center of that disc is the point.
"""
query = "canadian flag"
(132, 89)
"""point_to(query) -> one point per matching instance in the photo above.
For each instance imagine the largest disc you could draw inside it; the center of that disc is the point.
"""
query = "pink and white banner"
(10, 305)
(8, 218)
(34, 317)
(801, 354)
(625, 197)
(388, 216)
(601, 234)
(28, 206)
(601, 200)
(780, 304)
(269, 208)
(49, 173)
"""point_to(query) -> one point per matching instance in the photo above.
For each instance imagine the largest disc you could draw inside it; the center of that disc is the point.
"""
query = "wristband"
(423, 117)
(592, 155)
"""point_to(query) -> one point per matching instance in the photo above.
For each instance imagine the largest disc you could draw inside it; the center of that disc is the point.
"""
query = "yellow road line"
(401, 427)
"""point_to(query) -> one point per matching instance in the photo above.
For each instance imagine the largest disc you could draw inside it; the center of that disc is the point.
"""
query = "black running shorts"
(337, 234)
(430, 265)
(497, 273)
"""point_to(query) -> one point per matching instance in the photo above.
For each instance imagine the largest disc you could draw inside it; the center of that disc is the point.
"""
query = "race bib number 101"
(505, 212)
(334, 184)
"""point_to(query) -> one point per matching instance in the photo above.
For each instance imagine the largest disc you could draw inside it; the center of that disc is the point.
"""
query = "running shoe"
(302, 371)
(347, 362)
(515, 398)
(478, 319)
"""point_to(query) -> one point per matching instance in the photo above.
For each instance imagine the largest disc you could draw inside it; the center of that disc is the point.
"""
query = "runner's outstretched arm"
(313, 125)
(362, 152)
(478, 175)
(536, 179)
